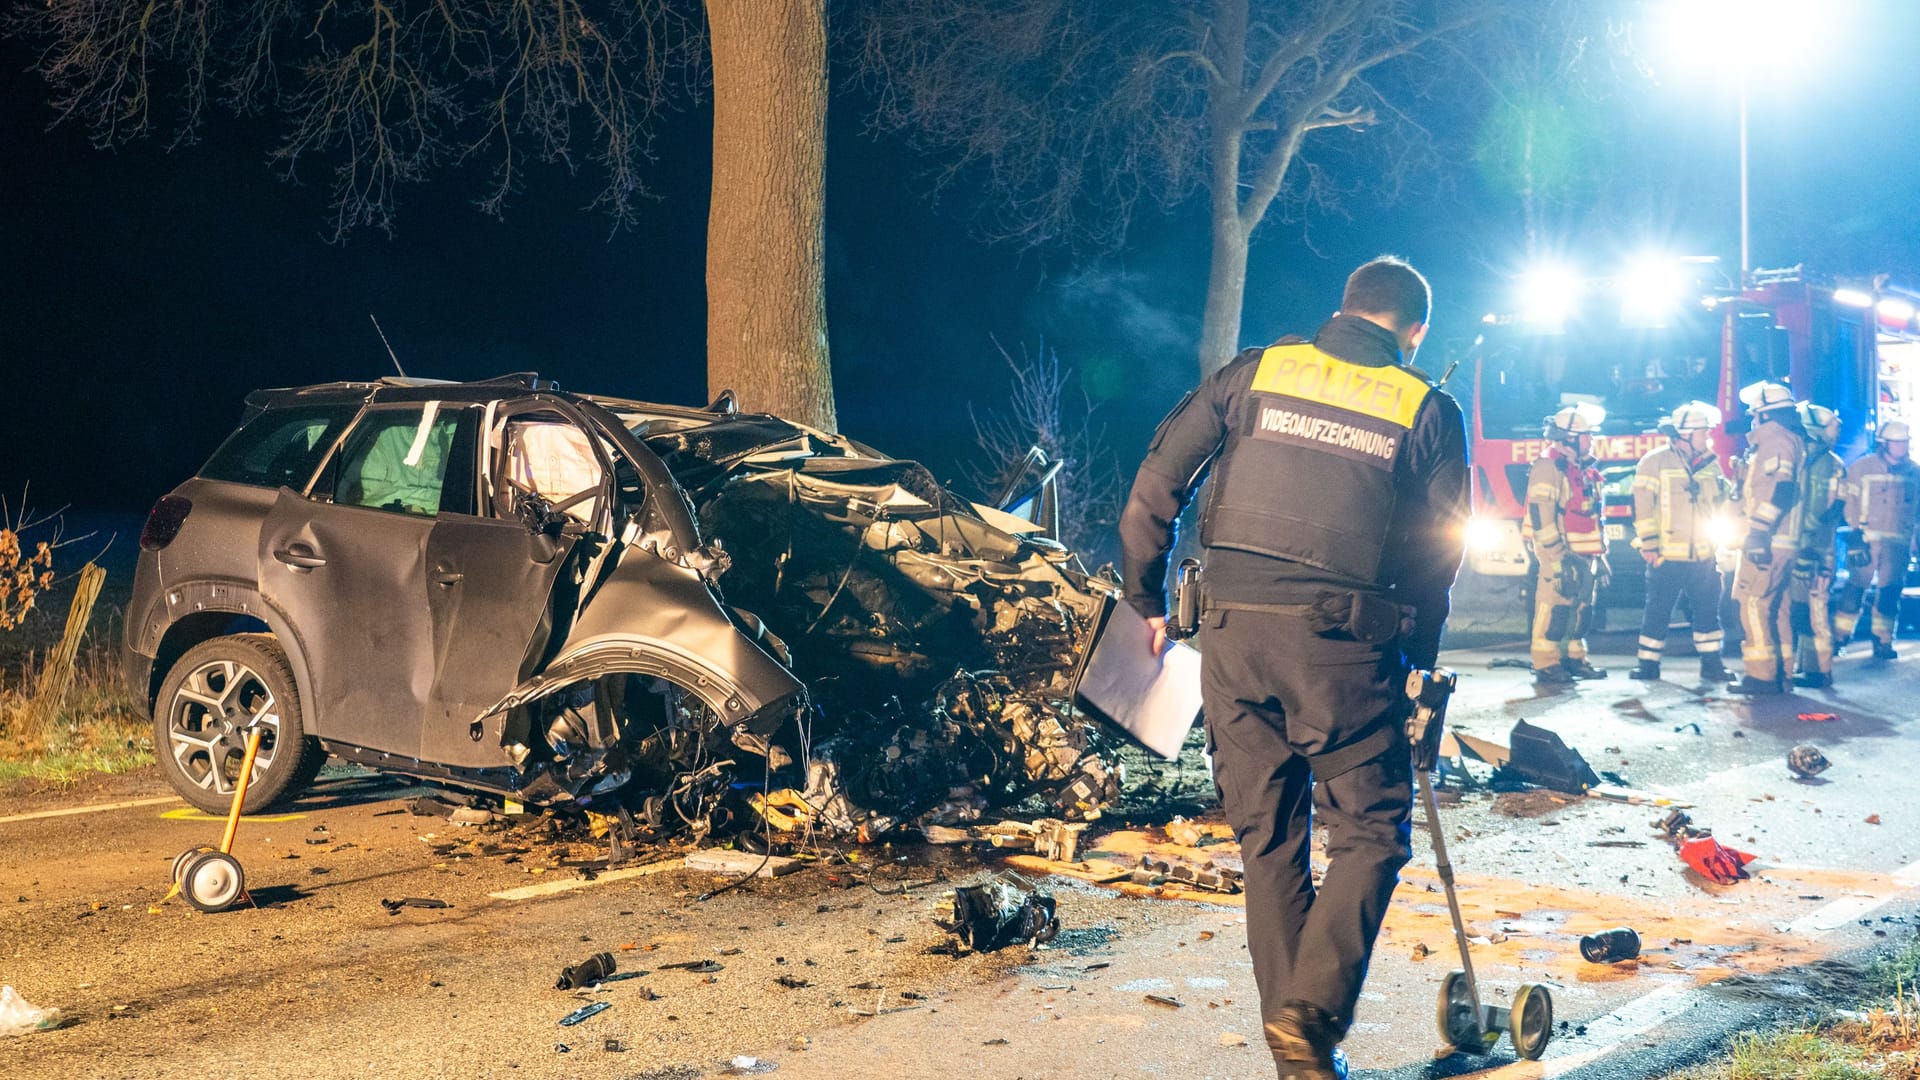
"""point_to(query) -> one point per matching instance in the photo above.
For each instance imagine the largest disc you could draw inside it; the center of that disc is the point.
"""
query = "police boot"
(1884, 650)
(1813, 680)
(1712, 669)
(1552, 676)
(1646, 671)
(1757, 687)
(1580, 669)
(1302, 1037)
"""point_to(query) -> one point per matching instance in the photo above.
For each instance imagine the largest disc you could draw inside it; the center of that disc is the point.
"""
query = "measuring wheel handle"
(1532, 1020)
(213, 881)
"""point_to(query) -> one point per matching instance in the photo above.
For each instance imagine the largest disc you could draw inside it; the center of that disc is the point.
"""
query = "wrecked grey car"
(703, 619)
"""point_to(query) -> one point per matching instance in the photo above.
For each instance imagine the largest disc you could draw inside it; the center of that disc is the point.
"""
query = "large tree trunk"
(1226, 293)
(766, 297)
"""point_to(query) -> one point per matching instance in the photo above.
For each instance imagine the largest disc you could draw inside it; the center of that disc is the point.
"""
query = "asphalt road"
(320, 981)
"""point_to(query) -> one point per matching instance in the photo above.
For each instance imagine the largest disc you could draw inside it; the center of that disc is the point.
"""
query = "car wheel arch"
(224, 610)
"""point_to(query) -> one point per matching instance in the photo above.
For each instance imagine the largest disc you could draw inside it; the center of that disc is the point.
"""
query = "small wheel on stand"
(1532, 1019)
(180, 860)
(1458, 1023)
(212, 881)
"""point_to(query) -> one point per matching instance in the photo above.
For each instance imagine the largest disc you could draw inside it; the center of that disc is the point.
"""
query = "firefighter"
(1883, 493)
(1332, 532)
(1822, 490)
(1770, 499)
(1563, 529)
(1678, 491)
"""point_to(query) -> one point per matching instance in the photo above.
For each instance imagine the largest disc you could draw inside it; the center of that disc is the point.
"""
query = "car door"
(348, 570)
(498, 586)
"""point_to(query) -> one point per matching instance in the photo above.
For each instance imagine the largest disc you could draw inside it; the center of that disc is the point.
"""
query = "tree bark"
(1227, 268)
(766, 295)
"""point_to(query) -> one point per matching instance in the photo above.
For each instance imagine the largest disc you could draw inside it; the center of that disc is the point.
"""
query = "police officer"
(1883, 495)
(1563, 529)
(1770, 498)
(1822, 491)
(1332, 532)
(1678, 491)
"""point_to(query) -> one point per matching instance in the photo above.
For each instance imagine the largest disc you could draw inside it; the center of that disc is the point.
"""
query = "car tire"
(208, 700)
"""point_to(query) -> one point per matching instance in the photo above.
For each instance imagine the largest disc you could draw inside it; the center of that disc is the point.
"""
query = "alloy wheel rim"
(208, 719)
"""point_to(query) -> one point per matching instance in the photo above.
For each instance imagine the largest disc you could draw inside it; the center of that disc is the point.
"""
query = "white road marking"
(1840, 912)
(548, 888)
(95, 809)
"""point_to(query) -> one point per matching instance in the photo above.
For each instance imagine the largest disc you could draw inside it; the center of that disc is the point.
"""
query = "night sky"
(143, 292)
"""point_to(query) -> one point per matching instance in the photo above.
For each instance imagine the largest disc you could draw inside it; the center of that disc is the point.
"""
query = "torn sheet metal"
(992, 916)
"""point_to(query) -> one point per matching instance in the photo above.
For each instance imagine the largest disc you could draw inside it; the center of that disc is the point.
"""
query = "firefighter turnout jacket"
(1674, 503)
(1563, 506)
(1770, 485)
(1822, 494)
(1333, 468)
(1883, 497)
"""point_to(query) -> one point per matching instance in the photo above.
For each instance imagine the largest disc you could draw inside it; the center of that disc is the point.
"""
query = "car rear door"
(348, 570)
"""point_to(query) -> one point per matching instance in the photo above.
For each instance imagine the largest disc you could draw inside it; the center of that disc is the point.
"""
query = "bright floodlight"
(1725, 37)
(1548, 294)
(1852, 298)
(1651, 290)
(1896, 309)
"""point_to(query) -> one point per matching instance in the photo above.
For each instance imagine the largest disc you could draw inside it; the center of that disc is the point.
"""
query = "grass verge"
(1879, 1041)
(93, 731)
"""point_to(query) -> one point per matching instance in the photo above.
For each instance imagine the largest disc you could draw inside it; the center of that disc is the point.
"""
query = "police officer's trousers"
(1563, 608)
(1766, 615)
(1699, 582)
(1889, 574)
(1275, 696)
(1812, 590)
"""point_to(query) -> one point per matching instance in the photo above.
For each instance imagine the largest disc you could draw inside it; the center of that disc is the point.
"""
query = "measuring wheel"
(180, 860)
(1532, 1019)
(1459, 1027)
(212, 881)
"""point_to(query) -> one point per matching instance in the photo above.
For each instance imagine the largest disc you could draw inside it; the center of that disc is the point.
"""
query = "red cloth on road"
(1715, 860)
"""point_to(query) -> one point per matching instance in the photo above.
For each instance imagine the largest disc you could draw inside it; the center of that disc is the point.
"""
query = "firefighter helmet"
(1821, 422)
(1693, 416)
(1766, 396)
(1894, 431)
(1582, 418)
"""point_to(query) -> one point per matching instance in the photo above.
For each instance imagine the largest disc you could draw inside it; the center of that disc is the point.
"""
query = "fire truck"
(1650, 338)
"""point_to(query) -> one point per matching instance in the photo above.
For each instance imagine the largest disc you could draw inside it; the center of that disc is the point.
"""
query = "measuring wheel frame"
(1458, 1019)
(180, 860)
(213, 881)
(1531, 1020)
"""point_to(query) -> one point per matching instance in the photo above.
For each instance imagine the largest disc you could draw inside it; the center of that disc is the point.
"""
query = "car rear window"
(280, 447)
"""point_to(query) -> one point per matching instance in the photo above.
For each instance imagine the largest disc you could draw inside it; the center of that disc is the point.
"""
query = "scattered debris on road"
(721, 861)
(584, 1012)
(585, 973)
(1608, 946)
(1712, 859)
(18, 1016)
(1817, 717)
(996, 914)
(1162, 999)
(393, 906)
(1807, 761)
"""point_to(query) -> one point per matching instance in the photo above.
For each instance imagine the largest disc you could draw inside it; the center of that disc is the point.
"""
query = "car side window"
(402, 459)
(280, 447)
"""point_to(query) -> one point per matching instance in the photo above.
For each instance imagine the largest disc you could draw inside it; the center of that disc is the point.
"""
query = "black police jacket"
(1333, 468)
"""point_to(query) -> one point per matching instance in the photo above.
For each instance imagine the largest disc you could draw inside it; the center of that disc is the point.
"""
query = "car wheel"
(211, 698)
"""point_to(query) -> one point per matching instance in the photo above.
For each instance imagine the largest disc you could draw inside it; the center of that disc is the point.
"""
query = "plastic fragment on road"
(1817, 717)
(1162, 999)
(585, 1011)
(20, 1017)
(1714, 860)
(1807, 761)
(393, 906)
(747, 1065)
(719, 861)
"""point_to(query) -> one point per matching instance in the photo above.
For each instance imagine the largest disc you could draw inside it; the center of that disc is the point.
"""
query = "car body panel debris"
(718, 861)
(994, 915)
(393, 906)
(585, 1011)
